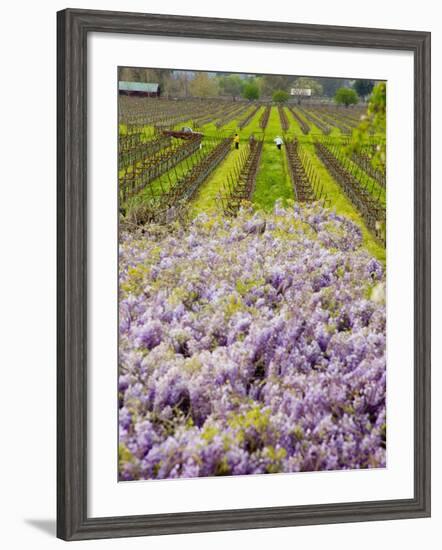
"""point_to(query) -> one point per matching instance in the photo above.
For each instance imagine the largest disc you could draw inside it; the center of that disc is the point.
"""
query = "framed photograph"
(243, 274)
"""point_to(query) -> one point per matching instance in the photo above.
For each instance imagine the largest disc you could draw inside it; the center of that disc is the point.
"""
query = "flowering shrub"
(250, 345)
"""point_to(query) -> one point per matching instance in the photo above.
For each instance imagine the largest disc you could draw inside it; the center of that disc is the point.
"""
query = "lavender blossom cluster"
(250, 345)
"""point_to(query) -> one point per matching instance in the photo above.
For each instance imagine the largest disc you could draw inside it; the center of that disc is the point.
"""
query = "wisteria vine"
(248, 345)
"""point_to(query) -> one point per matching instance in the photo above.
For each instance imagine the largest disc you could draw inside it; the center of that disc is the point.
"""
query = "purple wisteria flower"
(246, 351)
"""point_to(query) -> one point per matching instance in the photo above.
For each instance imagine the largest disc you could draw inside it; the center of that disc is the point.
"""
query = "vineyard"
(165, 173)
(252, 313)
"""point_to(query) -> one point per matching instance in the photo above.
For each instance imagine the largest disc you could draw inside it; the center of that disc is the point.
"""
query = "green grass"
(337, 199)
(206, 198)
(232, 127)
(163, 183)
(334, 130)
(273, 179)
(342, 205)
(148, 131)
(374, 188)
(253, 127)
(315, 131)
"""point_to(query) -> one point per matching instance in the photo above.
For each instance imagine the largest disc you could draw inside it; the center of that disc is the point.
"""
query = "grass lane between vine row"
(273, 180)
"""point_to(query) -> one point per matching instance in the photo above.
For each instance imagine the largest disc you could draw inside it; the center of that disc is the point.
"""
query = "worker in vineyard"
(236, 141)
(278, 141)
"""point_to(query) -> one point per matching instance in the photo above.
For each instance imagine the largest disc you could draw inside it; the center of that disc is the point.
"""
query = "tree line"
(175, 83)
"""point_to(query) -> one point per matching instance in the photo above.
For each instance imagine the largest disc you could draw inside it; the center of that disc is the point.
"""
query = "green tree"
(374, 123)
(280, 96)
(346, 96)
(231, 85)
(203, 86)
(304, 82)
(363, 87)
(251, 90)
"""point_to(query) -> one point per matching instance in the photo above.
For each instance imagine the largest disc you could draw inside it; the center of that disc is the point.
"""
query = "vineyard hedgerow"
(253, 344)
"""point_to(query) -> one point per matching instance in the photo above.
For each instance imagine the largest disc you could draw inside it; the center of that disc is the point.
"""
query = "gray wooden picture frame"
(73, 27)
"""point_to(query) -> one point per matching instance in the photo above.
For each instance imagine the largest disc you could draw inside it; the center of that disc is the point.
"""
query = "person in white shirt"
(278, 142)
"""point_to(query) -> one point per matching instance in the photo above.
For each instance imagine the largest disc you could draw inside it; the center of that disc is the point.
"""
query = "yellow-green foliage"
(124, 456)
(233, 305)
(135, 280)
(244, 286)
(209, 433)
(275, 456)
(254, 418)
(374, 122)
